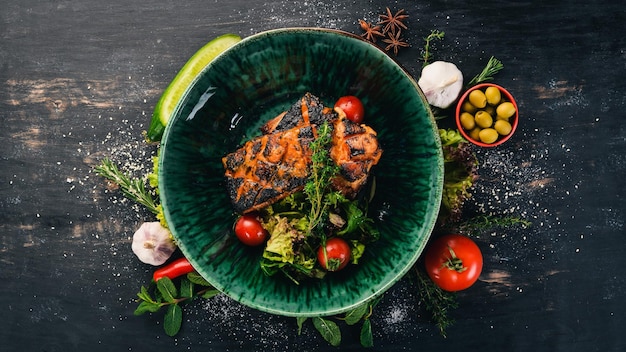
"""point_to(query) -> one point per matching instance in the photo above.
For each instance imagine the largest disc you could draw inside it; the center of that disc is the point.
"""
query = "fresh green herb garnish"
(437, 301)
(323, 169)
(165, 294)
(434, 34)
(331, 330)
(488, 222)
(493, 66)
(133, 188)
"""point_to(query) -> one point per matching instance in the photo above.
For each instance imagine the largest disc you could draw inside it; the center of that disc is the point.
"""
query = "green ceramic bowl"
(255, 80)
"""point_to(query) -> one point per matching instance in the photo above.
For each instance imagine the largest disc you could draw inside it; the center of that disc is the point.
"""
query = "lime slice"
(174, 91)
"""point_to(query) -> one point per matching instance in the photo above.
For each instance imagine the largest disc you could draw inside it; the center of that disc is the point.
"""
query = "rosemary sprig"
(133, 188)
(493, 66)
(434, 34)
(437, 301)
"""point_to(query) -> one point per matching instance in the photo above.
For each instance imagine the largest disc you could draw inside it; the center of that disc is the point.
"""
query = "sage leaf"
(186, 288)
(329, 330)
(367, 340)
(300, 321)
(355, 315)
(173, 319)
(167, 289)
(197, 279)
(146, 306)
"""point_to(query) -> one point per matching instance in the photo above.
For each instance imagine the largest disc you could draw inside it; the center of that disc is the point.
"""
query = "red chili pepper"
(174, 269)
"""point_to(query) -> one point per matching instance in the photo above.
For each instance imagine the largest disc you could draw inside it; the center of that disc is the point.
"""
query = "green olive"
(488, 135)
(474, 134)
(502, 118)
(478, 98)
(483, 119)
(502, 127)
(506, 109)
(490, 109)
(493, 95)
(467, 121)
(468, 107)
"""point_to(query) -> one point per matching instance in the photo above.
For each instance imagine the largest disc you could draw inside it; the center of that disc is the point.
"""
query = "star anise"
(371, 31)
(393, 23)
(395, 42)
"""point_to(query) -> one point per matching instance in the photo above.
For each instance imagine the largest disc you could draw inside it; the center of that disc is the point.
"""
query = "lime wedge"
(174, 91)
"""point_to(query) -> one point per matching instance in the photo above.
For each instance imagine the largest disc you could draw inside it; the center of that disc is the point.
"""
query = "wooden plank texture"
(79, 79)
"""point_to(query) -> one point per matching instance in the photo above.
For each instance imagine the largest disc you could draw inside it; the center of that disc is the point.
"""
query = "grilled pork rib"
(276, 164)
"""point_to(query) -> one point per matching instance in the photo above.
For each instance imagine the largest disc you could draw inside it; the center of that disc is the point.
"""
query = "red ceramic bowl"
(506, 97)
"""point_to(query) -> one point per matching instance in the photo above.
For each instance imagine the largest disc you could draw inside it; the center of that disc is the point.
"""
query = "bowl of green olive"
(487, 115)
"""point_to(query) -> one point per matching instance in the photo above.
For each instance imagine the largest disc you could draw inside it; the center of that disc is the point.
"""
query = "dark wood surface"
(79, 79)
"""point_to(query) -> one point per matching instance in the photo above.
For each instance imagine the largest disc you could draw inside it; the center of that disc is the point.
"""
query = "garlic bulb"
(153, 244)
(441, 83)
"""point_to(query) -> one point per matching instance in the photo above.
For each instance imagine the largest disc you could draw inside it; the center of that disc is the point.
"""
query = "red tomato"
(250, 231)
(174, 269)
(353, 108)
(336, 254)
(453, 262)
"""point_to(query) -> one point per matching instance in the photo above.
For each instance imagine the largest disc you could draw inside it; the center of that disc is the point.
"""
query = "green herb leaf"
(434, 34)
(167, 289)
(144, 295)
(132, 188)
(355, 315)
(173, 319)
(329, 330)
(493, 66)
(437, 301)
(323, 169)
(210, 293)
(145, 307)
(186, 288)
(300, 321)
(197, 279)
(366, 337)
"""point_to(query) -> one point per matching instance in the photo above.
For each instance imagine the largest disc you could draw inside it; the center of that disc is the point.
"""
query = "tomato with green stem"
(454, 262)
(335, 254)
(250, 231)
(352, 107)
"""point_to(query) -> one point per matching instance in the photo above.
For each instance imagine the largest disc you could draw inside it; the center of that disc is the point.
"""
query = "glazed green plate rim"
(429, 222)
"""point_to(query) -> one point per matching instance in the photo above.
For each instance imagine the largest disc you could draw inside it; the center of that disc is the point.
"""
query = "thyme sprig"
(132, 188)
(323, 169)
(434, 34)
(493, 66)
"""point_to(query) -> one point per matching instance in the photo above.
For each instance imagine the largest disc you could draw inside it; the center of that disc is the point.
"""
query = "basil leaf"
(329, 330)
(173, 319)
(167, 289)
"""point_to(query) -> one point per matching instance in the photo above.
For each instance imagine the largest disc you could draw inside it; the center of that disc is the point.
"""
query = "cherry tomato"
(336, 256)
(353, 108)
(250, 231)
(174, 269)
(453, 262)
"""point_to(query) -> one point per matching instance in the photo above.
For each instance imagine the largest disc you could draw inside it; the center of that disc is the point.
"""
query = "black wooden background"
(79, 79)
